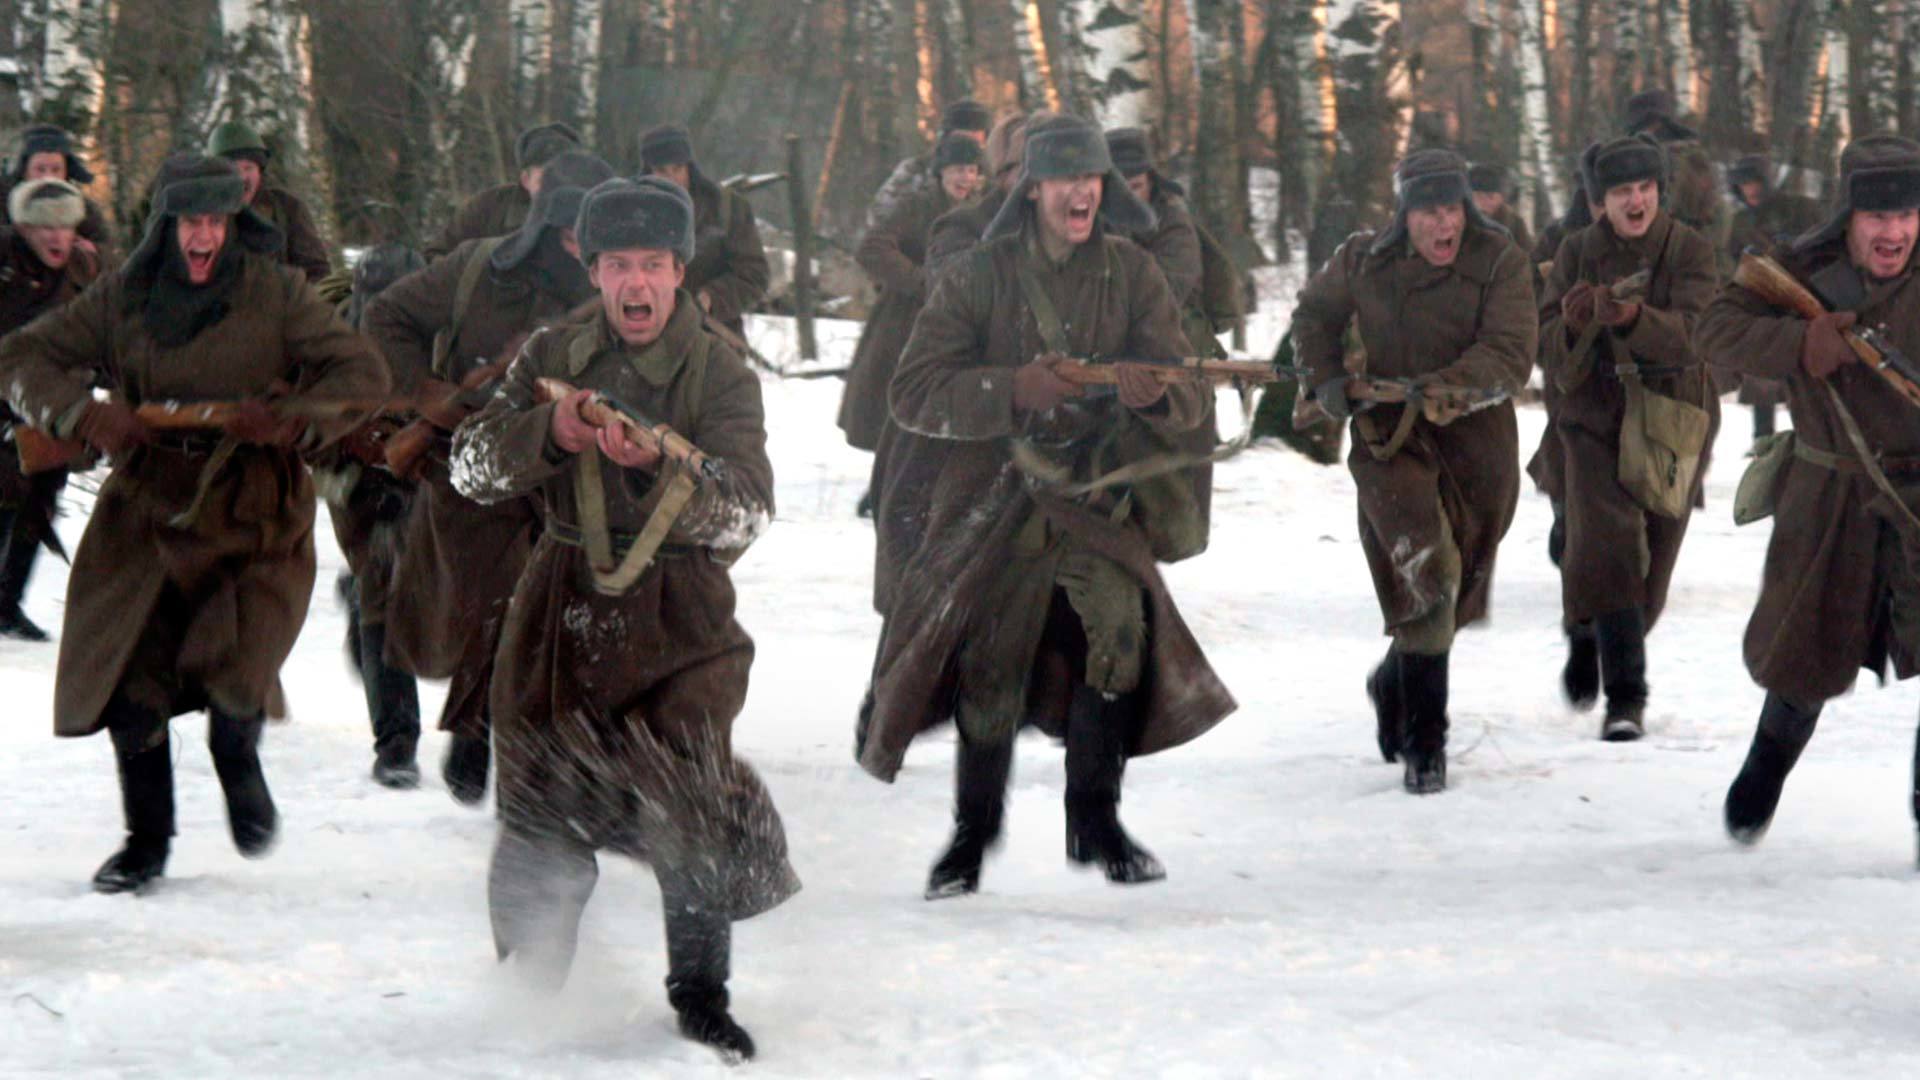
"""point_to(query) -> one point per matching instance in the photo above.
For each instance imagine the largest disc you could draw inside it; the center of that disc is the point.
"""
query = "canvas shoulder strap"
(469, 283)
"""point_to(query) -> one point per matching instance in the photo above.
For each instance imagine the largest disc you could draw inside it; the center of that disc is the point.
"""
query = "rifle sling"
(1867, 459)
(614, 577)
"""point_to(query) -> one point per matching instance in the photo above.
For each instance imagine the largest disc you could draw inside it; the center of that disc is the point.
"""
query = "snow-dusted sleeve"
(730, 511)
(506, 449)
(49, 366)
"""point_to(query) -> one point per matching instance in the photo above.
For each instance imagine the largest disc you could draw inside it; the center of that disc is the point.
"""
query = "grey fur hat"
(49, 203)
(1066, 146)
(196, 184)
(564, 182)
(51, 139)
(1425, 178)
(1612, 162)
(1877, 172)
(650, 213)
(540, 144)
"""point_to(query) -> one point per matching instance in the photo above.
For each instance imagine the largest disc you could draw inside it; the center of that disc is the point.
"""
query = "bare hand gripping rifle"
(606, 411)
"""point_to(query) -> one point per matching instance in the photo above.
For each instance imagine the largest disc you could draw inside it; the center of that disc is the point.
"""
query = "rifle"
(41, 452)
(1770, 281)
(605, 411)
(1439, 402)
(1239, 374)
(441, 406)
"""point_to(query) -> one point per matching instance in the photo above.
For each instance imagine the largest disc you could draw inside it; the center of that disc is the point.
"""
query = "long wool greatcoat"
(1472, 324)
(1619, 556)
(1839, 587)
(613, 715)
(178, 616)
(459, 560)
(893, 254)
(1778, 220)
(496, 211)
(29, 287)
(304, 249)
(955, 390)
(729, 264)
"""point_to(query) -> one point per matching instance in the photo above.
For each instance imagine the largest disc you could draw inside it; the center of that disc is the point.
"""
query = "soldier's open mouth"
(199, 263)
(637, 313)
(1080, 215)
(1445, 245)
(1891, 250)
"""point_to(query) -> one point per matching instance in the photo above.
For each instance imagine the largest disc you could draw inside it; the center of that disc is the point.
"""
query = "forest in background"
(383, 113)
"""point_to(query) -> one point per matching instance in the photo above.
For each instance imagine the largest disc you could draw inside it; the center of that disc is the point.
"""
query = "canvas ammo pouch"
(1759, 489)
(1661, 440)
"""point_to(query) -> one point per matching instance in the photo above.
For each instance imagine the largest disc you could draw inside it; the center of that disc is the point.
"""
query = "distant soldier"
(498, 211)
(42, 267)
(966, 118)
(1444, 299)
(1548, 466)
(1606, 355)
(728, 274)
(47, 153)
(1694, 198)
(1491, 190)
(1767, 218)
(1174, 239)
(958, 230)
(281, 208)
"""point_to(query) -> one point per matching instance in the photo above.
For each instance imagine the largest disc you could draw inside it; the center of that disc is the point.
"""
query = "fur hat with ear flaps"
(564, 184)
(1877, 172)
(48, 203)
(1426, 178)
(191, 184)
(542, 143)
(648, 213)
(1628, 160)
(1062, 147)
(51, 139)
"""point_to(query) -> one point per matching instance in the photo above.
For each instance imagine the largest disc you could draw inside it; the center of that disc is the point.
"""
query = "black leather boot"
(465, 768)
(1423, 752)
(699, 956)
(1389, 707)
(1782, 733)
(16, 566)
(1097, 732)
(146, 798)
(1622, 639)
(251, 816)
(1580, 679)
(393, 706)
(979, 807)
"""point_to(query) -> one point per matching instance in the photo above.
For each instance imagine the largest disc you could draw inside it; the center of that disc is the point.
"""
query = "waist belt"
(570, 535)
(1847, 463)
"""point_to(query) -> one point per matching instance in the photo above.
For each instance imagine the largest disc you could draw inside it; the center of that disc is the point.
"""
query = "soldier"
(1029, 600)
(498, 211)
(1693, 195)
(42, 267)
(916, 175)
(1490, 186)
(1601, 351)
(281, 208)
(1839, 586)
(623, 667)
(47, 153)
(1443, 298)
(893, 254)
(1174, 240)
(195, 571)
(728, 273)
(459, 322)
(369, 508)
(1767, 217)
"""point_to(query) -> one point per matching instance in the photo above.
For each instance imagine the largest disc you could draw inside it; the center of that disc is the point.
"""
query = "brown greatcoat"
(459, 560)
(1471, 324)
(728, 264)
(1839, 585)
(29, 287)
(892, 253)
(955, 390)
(304, 249)
(496, 211)
(958, 231)
(1174, 243)
(592, 688)
(1618, 555)
(1779, 219)
(178, 617)
(1509, 219)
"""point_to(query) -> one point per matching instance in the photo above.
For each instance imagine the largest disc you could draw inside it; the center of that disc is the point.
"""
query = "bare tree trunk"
(1534, 100)
(1117, 67)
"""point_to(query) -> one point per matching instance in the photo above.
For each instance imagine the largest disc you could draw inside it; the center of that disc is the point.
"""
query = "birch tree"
(1116, 65)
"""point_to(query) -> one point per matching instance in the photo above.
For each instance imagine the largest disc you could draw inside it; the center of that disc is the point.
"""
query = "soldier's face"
(1881, 241)
(1489, 202)
(1630, 207)
(1141, 186)
(47, 165)
(1067, 205)
(637, 291)
(960, 181)
(1750, 192)
(1436, 231)
(250, 177)
(679, 174)
(50, 244)
(201, 236)
(530, 178)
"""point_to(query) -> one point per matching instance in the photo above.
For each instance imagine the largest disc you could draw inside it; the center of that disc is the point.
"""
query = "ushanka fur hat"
(191, 184)
(1062, 147)
(49, 203)
(1427, 178)
(51, 139)
(1877, 173)
(564, 183)
(965, 115)
(1610, 163)
(648, 213)
(955, 149)
(538, 145)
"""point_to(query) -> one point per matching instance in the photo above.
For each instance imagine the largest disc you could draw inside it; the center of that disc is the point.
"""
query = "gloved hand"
(111, 427)
(367, 443)
(1037, 388)
(253, 422)
(1138, 386)
(1824, 350)
(571, 432)
(1614, 313)
(1332, 396)
(1577, 307)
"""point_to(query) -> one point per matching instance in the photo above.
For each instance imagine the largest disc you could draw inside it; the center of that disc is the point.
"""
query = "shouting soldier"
(47, 153)
(1444, 302)
(1606, 350)
(195, 571)
(919, 175)
(1036, 593)
(1840, 587)
(622, 667)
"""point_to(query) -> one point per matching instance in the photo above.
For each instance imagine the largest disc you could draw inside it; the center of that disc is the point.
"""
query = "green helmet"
(235, 139)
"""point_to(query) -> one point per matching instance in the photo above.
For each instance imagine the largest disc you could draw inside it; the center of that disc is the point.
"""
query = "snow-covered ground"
(1568, 908)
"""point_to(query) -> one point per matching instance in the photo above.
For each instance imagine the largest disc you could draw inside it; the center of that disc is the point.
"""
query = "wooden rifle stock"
(1770, 281)
(41, 452)
(602, 411)
(1185, 370)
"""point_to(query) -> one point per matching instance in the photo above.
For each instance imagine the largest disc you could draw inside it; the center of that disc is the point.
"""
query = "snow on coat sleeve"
(49, 367)
(731, 511)
(506, 449)
(1501, 356)
(1743, 333)
(941, 389)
